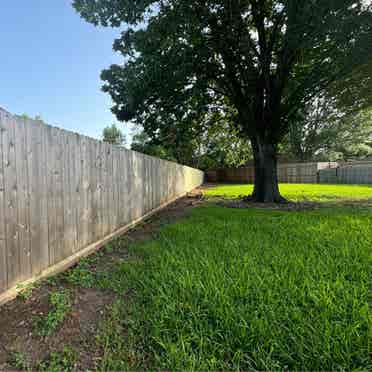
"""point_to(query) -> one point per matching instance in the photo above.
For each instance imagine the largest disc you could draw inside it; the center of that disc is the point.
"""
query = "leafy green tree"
(220, 144)
(323, 132)
(141, 142)
(354, 139)
(113, 135)
(264, 58)
(217, 145)
(28, 117)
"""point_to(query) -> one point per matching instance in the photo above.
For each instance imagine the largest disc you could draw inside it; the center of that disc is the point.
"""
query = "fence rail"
(61, 192)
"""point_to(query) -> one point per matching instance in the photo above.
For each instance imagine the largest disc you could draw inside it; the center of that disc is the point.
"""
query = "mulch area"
(289, 207)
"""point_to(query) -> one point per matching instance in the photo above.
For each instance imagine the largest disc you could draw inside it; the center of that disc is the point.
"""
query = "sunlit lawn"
(301, 192)
(250, 289)
(241, 289)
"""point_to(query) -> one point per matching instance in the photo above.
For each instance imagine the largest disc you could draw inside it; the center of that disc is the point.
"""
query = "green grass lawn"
(301, 192)
(247, 289)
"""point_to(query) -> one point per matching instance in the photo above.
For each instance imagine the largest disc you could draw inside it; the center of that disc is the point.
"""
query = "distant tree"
(36, 118)
(322, 132)
(264, 58)
(114, 135)
(354, 139)
(141, 142)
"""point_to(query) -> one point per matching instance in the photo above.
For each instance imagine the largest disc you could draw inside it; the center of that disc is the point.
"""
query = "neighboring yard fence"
(287, 173)
(233, 175)
(62, 194)
(353, 173)
(302, 172)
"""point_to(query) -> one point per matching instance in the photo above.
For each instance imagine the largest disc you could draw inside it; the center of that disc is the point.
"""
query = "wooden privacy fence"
(302, 172)
(353, 173)
(61, 194)
(287, 173)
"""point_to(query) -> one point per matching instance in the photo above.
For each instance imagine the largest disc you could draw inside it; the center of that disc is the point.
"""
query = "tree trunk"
(266, 188)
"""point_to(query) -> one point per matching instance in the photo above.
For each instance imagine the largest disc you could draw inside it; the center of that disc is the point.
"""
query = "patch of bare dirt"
(19, 333)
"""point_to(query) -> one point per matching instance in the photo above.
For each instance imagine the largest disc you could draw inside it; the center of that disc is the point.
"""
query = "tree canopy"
(262, 59)
(321, 132)
(218, 146)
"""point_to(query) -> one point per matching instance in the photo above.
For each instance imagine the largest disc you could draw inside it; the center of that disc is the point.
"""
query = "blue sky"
(51, 61)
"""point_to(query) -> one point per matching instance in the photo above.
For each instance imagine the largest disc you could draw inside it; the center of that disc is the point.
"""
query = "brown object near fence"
(63, 195)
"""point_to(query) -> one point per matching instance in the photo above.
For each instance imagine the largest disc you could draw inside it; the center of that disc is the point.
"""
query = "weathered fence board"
(10, 210)
(3, 250)
(23, 198)
(62, 193)
(37, 158)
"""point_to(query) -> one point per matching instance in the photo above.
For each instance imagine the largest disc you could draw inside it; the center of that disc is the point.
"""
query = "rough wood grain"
(11, 202)
(23, 198)
(3, 250)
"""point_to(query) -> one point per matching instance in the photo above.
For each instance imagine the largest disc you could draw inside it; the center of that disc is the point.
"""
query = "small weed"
(61, 305)
(81, 276)
(111, 246)
(53, 281)
(26, 291)
(116, 245)
(64, 361)
(18, 360)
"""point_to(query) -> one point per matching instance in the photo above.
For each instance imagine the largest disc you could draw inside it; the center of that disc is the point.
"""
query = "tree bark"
(266, 188)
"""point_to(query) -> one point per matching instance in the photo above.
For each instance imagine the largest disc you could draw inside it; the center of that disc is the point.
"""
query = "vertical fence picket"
(52, 205)
(11, 208)
(23, 202)
(78, 193)
(3, 248)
